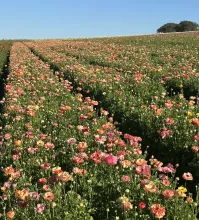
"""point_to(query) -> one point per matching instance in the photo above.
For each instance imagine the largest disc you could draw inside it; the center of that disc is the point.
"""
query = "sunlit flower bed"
(60, 160)
(139, 99)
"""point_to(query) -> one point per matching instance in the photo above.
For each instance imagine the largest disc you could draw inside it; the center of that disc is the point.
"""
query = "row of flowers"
(61, 160)
(139, 102)
(176, 67)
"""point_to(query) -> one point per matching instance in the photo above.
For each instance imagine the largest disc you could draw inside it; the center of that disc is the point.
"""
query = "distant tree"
(169, 27)
(187, 26)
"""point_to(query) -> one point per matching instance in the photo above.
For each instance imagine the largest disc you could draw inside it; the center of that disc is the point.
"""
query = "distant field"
(93, 128)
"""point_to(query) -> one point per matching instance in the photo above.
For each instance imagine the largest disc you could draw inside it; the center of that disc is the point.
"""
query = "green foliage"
(187, 26)
(181, 27)
(169, 27)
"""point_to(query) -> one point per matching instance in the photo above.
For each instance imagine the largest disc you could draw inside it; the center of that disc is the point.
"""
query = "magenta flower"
(110, 134)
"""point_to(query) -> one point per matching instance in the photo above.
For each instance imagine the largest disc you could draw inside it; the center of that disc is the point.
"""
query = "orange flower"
(49, 196)
(66, 108)
(100, 131)
(189, 200)
(140, 162)
(195, 149)
(191, 103)
(127, 206)
(18, 143)
(121, 143)
(195, 121)
(57, 170)
(82, 146)
(158, 211)
(64, 176)
(125, 163)
(10, 214)
(165, 182)
(18, 74)
(187, 176)
(150, 187)
(158, 111)
(42, 181)
(156, 163)
(9, 170)
(22, 194)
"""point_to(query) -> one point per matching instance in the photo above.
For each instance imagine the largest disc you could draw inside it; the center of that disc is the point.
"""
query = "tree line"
(181, 27)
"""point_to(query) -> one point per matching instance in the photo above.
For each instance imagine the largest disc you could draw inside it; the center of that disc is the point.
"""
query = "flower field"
(106, 128)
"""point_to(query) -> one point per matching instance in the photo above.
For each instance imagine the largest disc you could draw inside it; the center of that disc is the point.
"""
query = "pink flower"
(49, 146)
(15, 157)
(121, 155)
(144, 170)
(71, 141)
(168, 194)
(169, 121)
(144, 182)
(35, 195)
(196, 137)
(46, 188)
(83, 156)
(40, 208)
(164, 132)
(33, 150)
(7, 184)
(125, 178)
(45, 166)
(96, 156)
(168, 105)
(100, 139)
(187, 176)
(110, 159)
(167, 169)
(77, 160)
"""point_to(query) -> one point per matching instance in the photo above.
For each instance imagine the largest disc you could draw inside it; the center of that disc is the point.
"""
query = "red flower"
(142, 205)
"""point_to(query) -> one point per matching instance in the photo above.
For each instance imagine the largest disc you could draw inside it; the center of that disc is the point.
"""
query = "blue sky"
(38, 19)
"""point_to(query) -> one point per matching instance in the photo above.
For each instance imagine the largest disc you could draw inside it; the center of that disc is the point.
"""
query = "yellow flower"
(197, 114)
(53, 204)
(182, 189)
(40, 143)
(181, 194)
(189, 113)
